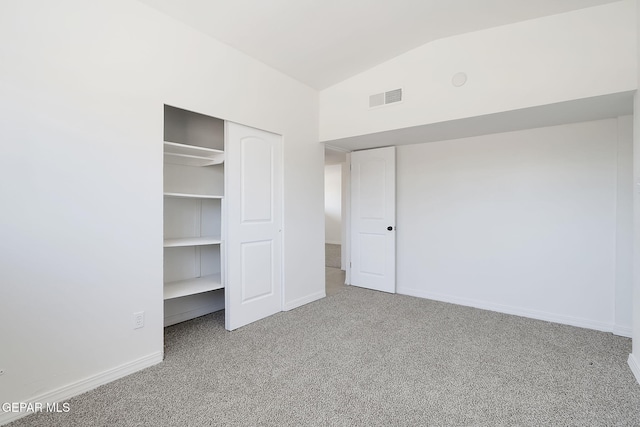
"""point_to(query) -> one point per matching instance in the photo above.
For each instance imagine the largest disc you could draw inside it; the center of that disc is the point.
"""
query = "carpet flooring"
(366, 358)
(332, 255)
(334, 279)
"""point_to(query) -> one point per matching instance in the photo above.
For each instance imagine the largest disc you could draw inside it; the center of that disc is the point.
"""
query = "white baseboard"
(623, 331)
(517, 311)
(192, 314)
(66, 392)
(302, 301)
(635, 367)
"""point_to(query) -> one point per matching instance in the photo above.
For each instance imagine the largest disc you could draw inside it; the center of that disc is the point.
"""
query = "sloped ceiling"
(323, 42)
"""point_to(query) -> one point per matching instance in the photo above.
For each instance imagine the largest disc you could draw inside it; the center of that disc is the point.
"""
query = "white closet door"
(253, 200)
(373, 219)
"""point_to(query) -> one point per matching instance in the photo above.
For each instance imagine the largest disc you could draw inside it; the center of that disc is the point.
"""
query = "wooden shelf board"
(191, 155)
(193, 196)
(193, 286)
(189, 160)
(191, 150)
(191, 241)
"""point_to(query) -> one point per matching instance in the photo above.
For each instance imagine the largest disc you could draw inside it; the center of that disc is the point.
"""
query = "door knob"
(390, 228)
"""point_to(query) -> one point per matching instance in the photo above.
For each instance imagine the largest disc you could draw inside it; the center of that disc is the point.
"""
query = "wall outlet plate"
(138, 320)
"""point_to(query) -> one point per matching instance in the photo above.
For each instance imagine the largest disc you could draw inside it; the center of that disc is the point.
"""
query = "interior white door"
(253, 241)
(373, 218)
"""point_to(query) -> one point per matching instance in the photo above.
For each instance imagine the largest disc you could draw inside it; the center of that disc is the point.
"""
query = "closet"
(222, 219)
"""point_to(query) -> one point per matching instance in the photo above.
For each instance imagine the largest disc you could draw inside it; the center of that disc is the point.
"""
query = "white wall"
(634, 357)
(346, 215)
(522, 222)
(624, 228)
(581, 54)
(82, 88)
(333, 204)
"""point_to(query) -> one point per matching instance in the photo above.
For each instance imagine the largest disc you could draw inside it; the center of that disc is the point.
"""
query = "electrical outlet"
(138, 320)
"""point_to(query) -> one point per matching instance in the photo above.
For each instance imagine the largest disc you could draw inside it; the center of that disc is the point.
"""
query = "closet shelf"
(190, 150)
(193, 196)
(197, 285)
(191, 241)
(191, 155)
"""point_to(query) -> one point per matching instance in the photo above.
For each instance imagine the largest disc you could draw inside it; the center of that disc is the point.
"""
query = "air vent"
(393, 96)
(385, 98)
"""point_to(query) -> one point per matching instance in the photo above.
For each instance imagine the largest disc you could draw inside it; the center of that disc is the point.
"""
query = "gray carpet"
(334, 279)
(332, 255)
(361, 357)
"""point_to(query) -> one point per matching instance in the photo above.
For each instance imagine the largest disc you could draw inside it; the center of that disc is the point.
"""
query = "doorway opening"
(335, 214)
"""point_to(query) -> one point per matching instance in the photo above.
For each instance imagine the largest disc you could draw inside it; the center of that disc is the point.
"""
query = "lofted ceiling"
(323, 42)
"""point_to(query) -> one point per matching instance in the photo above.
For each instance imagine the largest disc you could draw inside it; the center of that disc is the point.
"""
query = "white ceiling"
(323, 42)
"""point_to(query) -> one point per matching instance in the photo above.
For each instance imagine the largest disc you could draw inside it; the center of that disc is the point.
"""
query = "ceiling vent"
(385, 98)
